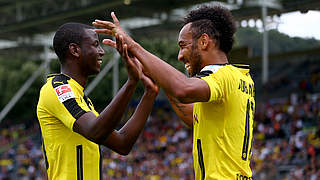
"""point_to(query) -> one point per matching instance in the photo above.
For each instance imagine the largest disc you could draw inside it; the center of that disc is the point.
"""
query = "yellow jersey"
(68, 155)
(223, 126)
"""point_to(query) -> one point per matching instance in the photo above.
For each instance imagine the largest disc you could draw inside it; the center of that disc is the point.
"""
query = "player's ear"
(203, 41)
(74, 50)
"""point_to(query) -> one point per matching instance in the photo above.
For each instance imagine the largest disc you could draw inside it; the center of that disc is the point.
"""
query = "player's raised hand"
(112, 29)
(134, 67)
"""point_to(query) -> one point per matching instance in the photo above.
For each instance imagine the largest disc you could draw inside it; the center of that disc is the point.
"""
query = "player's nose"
(101, 51)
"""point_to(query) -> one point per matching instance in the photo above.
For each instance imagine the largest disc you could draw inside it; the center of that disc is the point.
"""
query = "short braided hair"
(66, 34)
(216, 21)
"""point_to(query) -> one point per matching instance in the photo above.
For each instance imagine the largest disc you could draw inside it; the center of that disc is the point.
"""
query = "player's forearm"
(128, 134)
(110, 117)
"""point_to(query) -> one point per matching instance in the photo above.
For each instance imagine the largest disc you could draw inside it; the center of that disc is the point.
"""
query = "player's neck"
(75, 74)
(215, 58)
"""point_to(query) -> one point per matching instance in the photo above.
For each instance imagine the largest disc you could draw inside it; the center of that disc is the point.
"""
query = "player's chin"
(95, 71)
(190, 73)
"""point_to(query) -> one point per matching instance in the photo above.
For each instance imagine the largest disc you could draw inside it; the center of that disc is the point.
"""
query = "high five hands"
(123, 43)
(113, 29)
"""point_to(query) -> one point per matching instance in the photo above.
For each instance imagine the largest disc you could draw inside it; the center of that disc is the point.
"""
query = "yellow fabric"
(220, 125)
(60, 142)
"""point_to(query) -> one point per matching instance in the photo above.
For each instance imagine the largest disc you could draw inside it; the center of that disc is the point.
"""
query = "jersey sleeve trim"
(86, 99)
(74, 109)
(203, 74)
(209, 69)
(242, 66)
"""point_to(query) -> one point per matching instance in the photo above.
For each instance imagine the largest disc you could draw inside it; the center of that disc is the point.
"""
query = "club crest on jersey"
(64, 92)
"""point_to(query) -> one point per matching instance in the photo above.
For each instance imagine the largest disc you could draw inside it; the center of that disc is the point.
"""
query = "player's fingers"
(125, 54)
(146, 80)
(145, 71)
(126, 58)
(118, 43)
(103, 24)
(136, 63)
(121, 44)
(104, 31)
(115, 19)
(110, 43)
(109, 27)
(143, 78)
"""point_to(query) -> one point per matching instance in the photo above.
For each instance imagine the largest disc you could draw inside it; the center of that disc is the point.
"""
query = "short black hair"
(68, 33)
(216, 21)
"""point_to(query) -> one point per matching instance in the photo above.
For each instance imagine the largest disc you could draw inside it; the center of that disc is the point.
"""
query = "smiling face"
(189, 53)
(91, 52)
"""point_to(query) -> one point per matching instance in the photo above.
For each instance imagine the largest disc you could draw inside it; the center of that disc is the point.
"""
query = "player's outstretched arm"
(186, 90)
(97, 129)
(123, 140)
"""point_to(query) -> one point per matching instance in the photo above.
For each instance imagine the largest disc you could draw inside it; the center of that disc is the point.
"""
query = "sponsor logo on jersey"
(64, 92)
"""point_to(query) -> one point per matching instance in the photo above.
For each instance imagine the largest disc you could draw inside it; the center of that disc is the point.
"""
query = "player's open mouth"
(100, 61)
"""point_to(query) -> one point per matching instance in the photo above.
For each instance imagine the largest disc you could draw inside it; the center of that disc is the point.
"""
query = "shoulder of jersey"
(206, 71)
(58, 79)
(61, 87)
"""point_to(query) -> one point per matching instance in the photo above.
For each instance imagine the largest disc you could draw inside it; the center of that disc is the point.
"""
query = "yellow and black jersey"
(68, 155)
(223, 126)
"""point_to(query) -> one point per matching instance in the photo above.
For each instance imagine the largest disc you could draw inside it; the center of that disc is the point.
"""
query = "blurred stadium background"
(286, 71)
